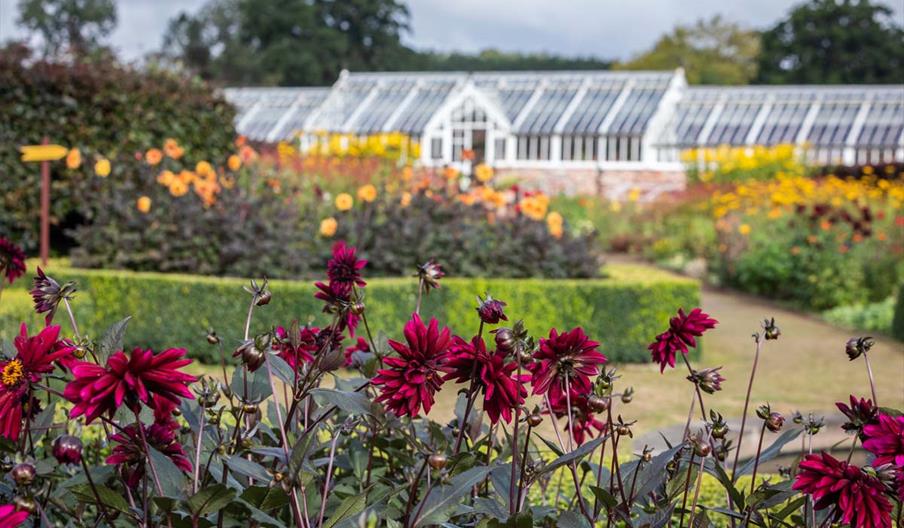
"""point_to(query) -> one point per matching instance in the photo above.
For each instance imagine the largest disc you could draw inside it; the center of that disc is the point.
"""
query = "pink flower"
(683, 328)
(584, 422)
(10, 517)
(502, 388)
(129, 453)
(154, 379)
(572, 355)
(855, 498)
(416, 374)
(303, 348)
(860, 413)
(885, 439)
(344, 269)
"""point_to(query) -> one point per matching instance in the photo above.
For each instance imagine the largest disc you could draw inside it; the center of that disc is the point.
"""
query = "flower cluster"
(683, 329)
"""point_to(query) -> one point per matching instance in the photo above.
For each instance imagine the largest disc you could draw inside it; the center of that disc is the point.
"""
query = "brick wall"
(613, 184)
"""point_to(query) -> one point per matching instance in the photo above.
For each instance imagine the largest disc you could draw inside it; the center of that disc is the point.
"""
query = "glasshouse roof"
(655, 105)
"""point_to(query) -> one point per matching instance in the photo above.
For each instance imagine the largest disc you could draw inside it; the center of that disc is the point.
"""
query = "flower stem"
(197, 471)
(572, 465)
(72, 319)
(102, 511)
(872, 382)
(420, 291)
(687, 483)
(521, 467)
(472, 392)
(756, 359)
(513, 506)
(756, 461)
(329, 474)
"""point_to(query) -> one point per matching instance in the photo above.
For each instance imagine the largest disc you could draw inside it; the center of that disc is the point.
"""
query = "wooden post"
(45, 208)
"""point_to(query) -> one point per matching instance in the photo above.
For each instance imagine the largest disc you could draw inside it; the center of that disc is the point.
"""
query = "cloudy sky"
(603, 28)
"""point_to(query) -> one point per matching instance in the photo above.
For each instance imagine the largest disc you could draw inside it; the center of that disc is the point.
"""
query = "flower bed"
(628, 305)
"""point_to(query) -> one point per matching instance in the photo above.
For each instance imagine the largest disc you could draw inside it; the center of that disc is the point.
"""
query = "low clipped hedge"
(624, 311)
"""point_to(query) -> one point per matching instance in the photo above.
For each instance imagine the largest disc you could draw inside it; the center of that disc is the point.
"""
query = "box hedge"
(624, 311)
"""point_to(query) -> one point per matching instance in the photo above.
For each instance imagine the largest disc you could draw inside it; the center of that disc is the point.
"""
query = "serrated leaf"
(209, 499)
(348, 508)
(111, 341)
(350, 402)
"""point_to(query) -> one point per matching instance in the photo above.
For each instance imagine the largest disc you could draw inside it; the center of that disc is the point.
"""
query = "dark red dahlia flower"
(12, 261)
(490, 310)
(855, 497)
(683, 328)
(129, 454)
(35, 357)
(47, 294)
(414, 376)
(11, 517)
(885, 439)
(584, 421)
(354, 351)
(298, 350)
(570, 355)
(860, 413)
(154, 379)
(344, 269)
(502, 388)
(337, 301)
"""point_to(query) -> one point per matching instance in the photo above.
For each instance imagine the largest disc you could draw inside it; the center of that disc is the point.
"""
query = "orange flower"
(143, 204)
(744, 229)
(228, 182)
(554, 223)
(857, 238)
(450, 173)
(407, 173)
(234, 163)
(178, 188)
(204, 169)
(367, 193)
(172, 149)
(240, 141)
(102, 167)
(247, 153)
(795, 250)
(187, 176)
(73, 159)
(483, 172)
(153, 156)
(344, 201)
(467, 154)
(825, 225)
(166, 178)
(328, 227)
(406, 199)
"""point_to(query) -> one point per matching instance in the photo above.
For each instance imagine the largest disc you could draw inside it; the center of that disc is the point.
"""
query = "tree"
(829, 41)
(74, 26)
(711, 51)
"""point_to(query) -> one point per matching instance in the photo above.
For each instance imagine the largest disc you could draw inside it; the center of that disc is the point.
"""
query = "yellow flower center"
(12, 373)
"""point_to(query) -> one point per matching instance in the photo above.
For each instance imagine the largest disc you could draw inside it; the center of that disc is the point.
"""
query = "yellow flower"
(554, 223)
(172, 148)
(228, 182)
(556, 231)
(367, 193)
(634, 195)
(73, 159)
(166, 178)
(144, 204)
(328, 227)
(204, 169)
(615, 207)
(178, 187)
(234, 162)
(744, 229)
(187, 176)
(483, 172)
(406, 199)
(102, 167)
(344, 201)
(153, 156)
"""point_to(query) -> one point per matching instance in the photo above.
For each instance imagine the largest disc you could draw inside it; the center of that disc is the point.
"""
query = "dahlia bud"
(249, 408)
(701, 445)
(623, 428)
(24, 474)
(437, 460)
(67, 449)
(647, 455)
(251, 356)
(763, 411)
(770, 330)
(774, 422)
(597, 403)
(490, 310)
(25, 504)
(212, 338)
(534, 419)
(505, 340)
(627, 395)
(331, 360)
(709, 380)
(261, 294)
(719, 427)
(606, 379)
(357, 308)
(430, 273)
(208, 393)
(857, 346)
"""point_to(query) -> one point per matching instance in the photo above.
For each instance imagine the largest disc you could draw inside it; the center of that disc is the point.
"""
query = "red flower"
(10, 517)
(856, 498)
(36, 356)
(490, 310)
(683, 328)
(12, 260)
(360, 346)
(338, 301)
(502, 388)
(129, 453)
(415, 375)
(570, 354)
(302, 350)
(142, 377)
(344, 269)
(860, 413)
(583, 419)
(885, 439)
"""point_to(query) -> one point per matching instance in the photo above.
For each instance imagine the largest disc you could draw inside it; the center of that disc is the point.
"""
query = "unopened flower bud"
(505, 340)
(430, 273)
(647, 455)
(251, 356)
(437, 460)
(249, 408)
(264, 298)
(709, 380)
(702, 448)
(598, 404)
(774, 422)
(23, 474)
(212, 337)
(534, 419)
(357, 308)
(763, 411)
(857, 346)
(490, 310)
(67, 449)
(770, 330)
(25, 504)
(627, 395)
(331, 359)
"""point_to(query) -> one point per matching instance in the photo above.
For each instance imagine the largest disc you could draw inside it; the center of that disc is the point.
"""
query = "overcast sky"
(610, 29)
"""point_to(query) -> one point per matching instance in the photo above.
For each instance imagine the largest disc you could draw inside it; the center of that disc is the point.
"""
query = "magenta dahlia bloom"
(502, 388)
(10, 517)
(683, 329)
(414, 376)
(154, 379)
(12, 260)
(337, 300)
(860, 413)
(344, 268)
(571, 354)
(885, 439)
(129, 454)
(35, 357)
(303, 349)
(855, 497)
(584, 421)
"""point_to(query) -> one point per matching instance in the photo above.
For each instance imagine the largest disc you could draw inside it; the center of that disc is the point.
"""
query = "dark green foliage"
(76, 26)
(103, 109)
(897, 324)
(834, 42)
(624, 312)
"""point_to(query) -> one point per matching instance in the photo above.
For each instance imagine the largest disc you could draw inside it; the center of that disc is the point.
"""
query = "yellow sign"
(42, 152)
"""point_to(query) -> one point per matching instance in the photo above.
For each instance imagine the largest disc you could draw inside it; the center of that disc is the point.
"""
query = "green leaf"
(719, 472)
(108, 497)
(281, 369)
(604, 497)
(792, 507)
(444, 497)
(573, 456)
(111, 341)
(209, 499)
(300, 452)
(349, 507)
(350, 402)
(258, 384)
(572, 520)
(171, 477)
(248, 468)
(772, 451)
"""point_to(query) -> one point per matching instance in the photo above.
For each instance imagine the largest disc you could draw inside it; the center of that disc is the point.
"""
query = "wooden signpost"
(44, 153)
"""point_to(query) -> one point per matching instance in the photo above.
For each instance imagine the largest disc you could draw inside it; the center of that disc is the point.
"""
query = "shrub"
(875, 317)
(897, 324)
(628, 306)
(104, 109)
